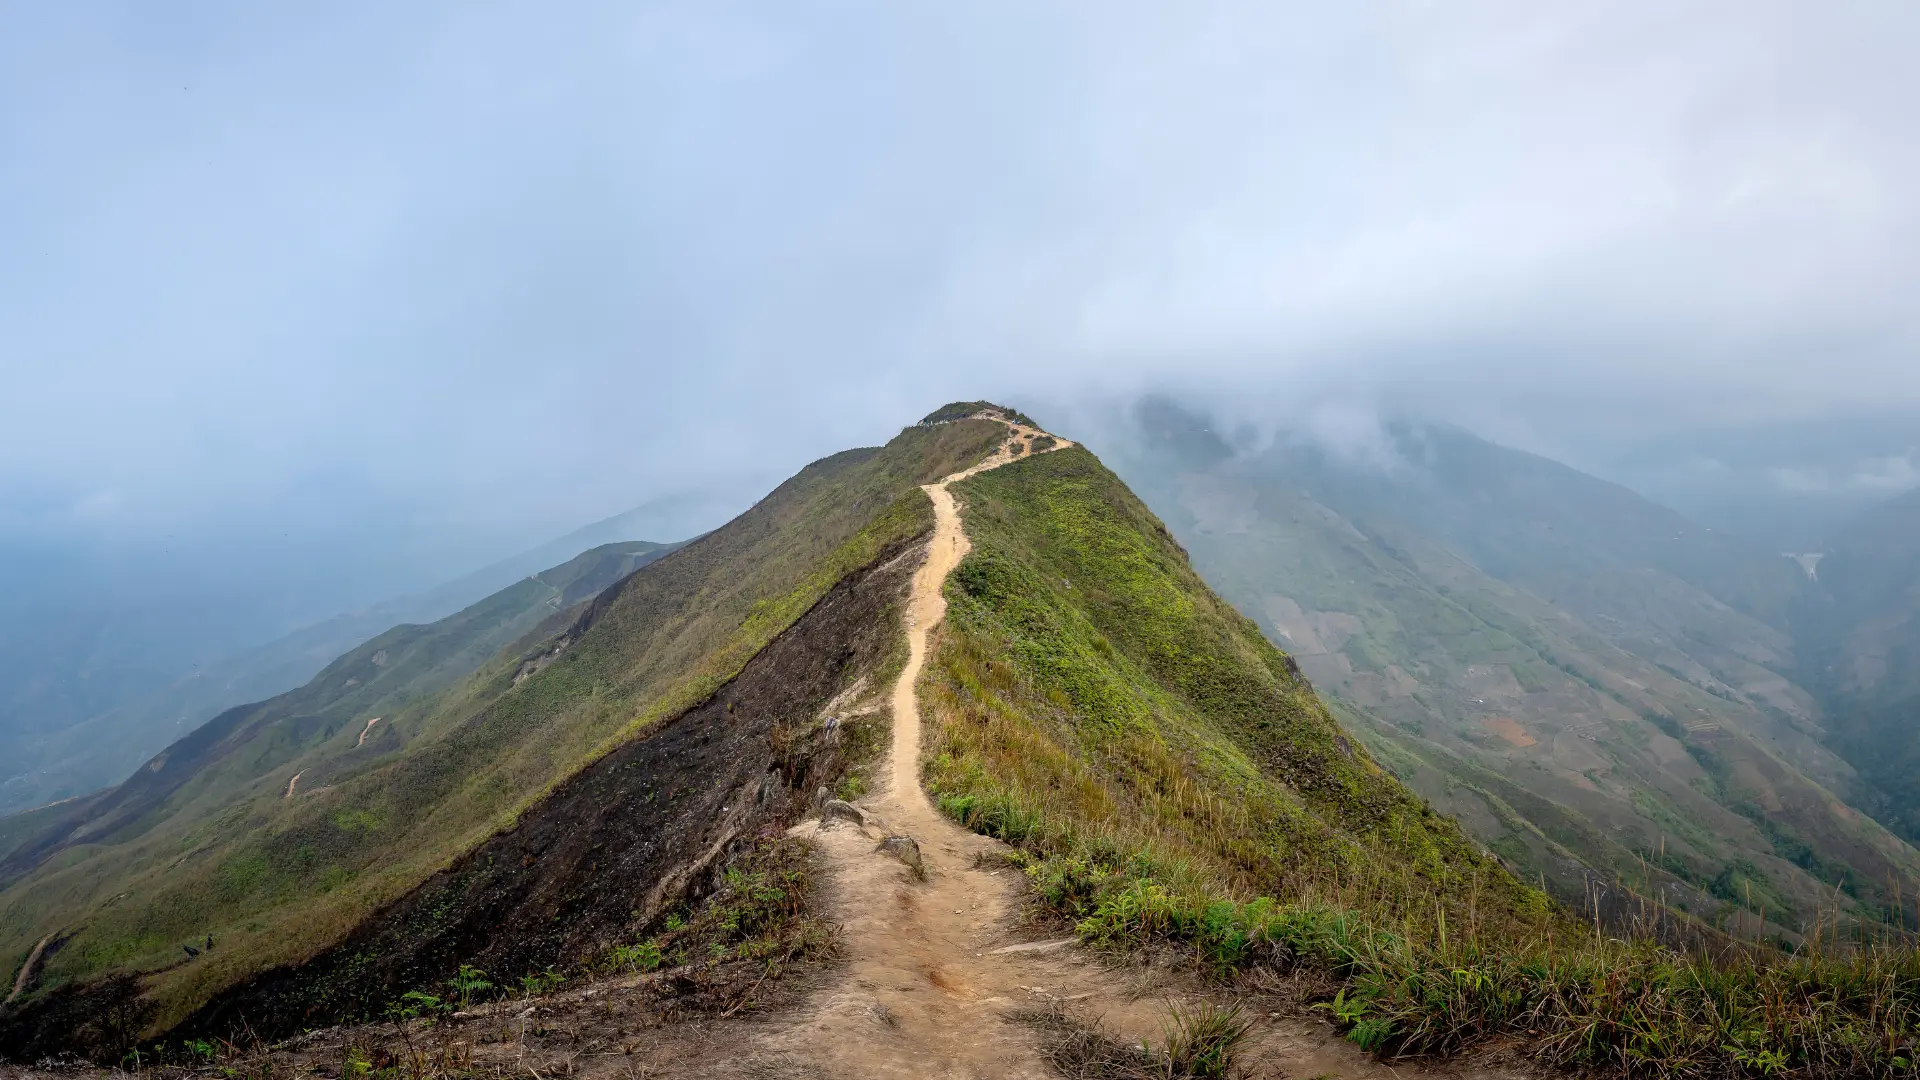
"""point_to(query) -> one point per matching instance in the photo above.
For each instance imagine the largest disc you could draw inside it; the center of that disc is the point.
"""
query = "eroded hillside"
(276, 872)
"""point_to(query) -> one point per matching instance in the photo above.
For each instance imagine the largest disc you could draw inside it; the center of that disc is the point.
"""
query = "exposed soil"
(647, 827)
(27, 968)
(1510, 730)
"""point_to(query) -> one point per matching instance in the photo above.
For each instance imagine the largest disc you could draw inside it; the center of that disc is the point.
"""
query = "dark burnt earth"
(652, 825)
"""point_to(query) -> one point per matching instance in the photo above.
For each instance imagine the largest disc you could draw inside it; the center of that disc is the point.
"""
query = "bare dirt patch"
(1509, 730)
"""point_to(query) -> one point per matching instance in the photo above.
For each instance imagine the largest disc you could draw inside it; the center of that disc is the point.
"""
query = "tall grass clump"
(1423, 987)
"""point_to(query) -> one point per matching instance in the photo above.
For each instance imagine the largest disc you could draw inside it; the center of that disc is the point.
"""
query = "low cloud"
(528, 265)
(1874, 476)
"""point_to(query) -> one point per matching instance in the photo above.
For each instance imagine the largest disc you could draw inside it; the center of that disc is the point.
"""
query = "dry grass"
(1199, 1041)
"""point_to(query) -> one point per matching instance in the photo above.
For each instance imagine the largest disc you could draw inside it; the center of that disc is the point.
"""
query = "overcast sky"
(480, 272)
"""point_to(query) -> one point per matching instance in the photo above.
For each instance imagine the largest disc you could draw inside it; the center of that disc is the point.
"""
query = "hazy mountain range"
(111, 679)
(1857, 624)
(1595, 684)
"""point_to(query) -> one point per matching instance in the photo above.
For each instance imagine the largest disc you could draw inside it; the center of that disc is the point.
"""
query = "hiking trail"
(934, 966)
(938, 969)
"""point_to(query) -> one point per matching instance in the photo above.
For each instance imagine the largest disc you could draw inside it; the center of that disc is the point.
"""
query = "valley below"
(1610, 696)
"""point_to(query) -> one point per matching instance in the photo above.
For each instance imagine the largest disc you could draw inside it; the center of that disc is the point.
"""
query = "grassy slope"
(1436, 655)
(105, 748)
(274, 879)
(1167, 776)
(1093, 696)
(405, 664)
(1597, 710)
(26, 826)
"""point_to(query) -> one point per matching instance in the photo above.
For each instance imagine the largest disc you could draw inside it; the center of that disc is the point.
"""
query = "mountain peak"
(966, 410)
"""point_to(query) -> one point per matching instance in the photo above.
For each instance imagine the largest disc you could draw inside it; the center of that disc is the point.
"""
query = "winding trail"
(925, 609)
(936, 966)
(924, 991)
(28, 968)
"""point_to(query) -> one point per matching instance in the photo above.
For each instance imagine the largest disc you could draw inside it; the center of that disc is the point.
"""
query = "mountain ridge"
(328, 900)
(273, 877)
(616, 797)
(379, 675)
(1599, 688)
(106, 745)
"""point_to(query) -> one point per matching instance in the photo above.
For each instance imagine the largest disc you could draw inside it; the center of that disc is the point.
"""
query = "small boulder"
(846, 811)
(907, 850)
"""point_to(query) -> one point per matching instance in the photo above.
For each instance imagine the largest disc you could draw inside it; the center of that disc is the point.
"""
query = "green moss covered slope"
(1095, 700)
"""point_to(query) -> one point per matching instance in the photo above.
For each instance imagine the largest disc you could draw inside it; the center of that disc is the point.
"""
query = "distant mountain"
(1596, 685)
(380, 677)
(1786, 485)
(56, 743)
(1858, 626)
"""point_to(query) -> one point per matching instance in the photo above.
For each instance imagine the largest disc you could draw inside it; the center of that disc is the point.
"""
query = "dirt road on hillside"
(938, 973)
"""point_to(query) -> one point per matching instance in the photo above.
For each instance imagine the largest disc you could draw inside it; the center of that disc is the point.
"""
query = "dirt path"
(936, 967)
(27, 968)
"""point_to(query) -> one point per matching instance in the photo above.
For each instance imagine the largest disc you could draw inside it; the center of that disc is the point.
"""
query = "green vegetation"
(1638, 1009)
(541, 982)
(747, 932)
(274, 877)
(1590, 684)
(379, 678)
(1095, 702)
(960, 410)
(756, 923)
(1166, 778)
(1201, 1040)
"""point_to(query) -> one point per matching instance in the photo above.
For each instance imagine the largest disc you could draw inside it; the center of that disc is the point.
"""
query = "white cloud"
(1879, 475)
(518, 266)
